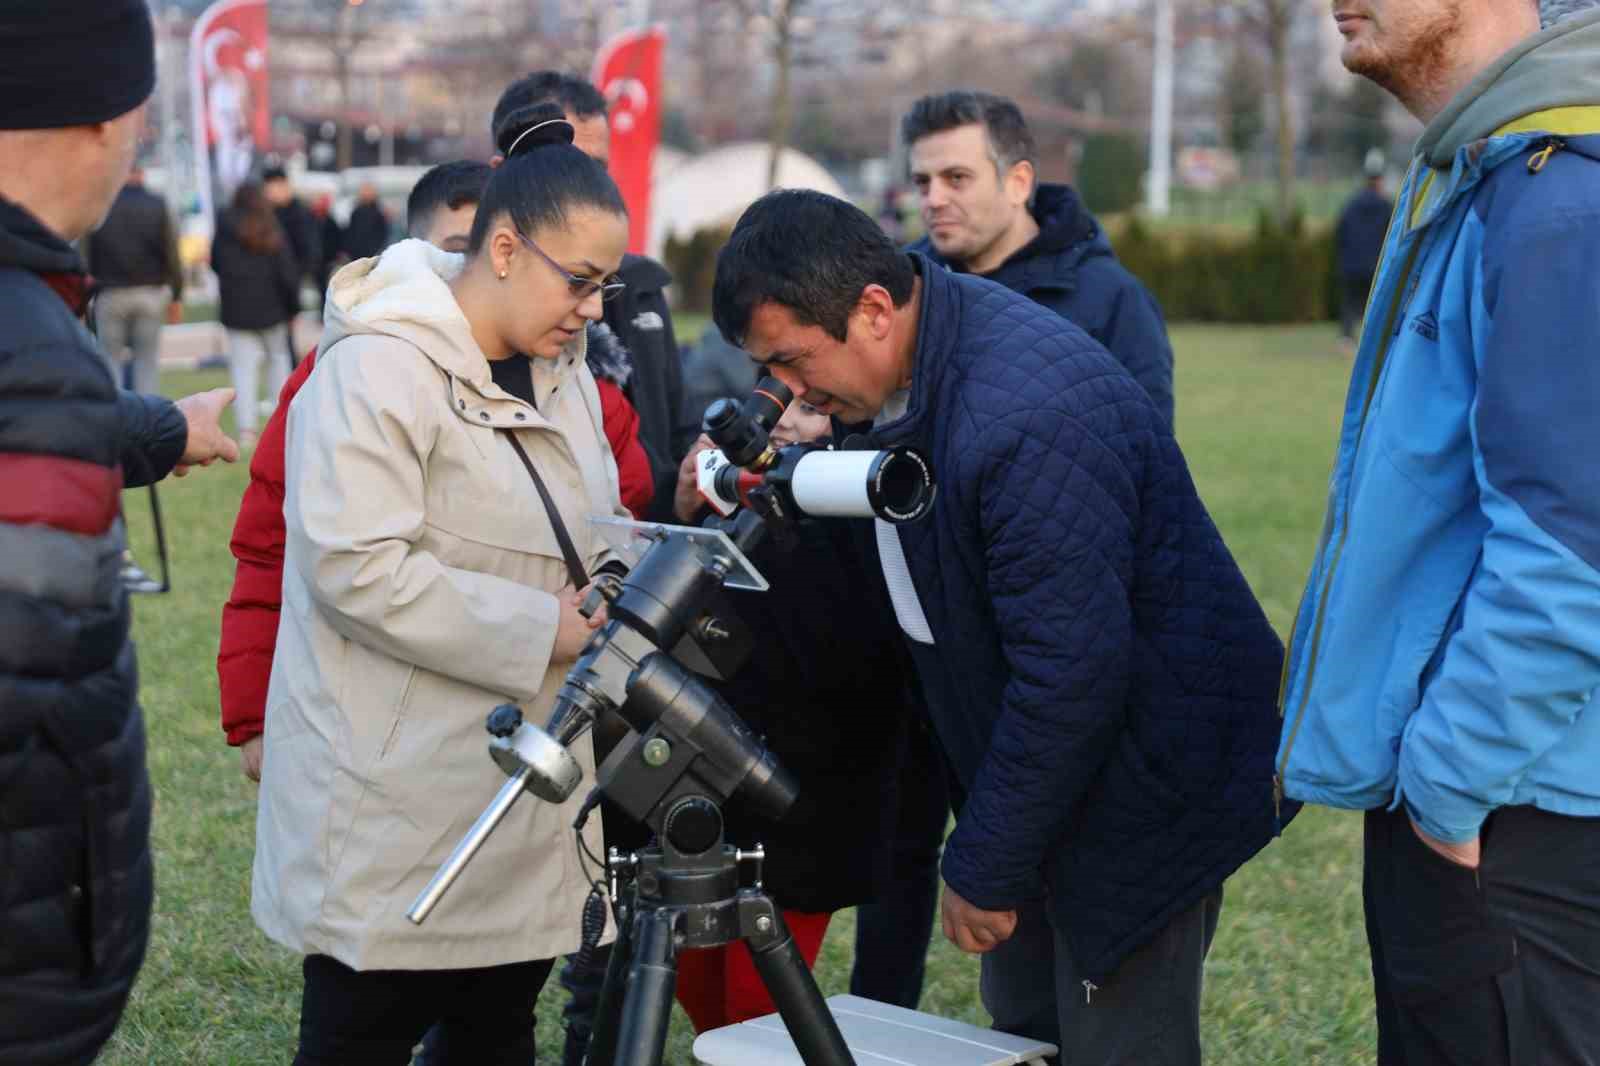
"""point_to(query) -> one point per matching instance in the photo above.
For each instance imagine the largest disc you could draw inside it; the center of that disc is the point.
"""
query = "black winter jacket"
(367, 233)
(1102, 680)
(1358, 239)
(641, 319)
(137, 244)
(258, 289)
(75, 874)
(833, 719)
(305, 241)
(1070, 268)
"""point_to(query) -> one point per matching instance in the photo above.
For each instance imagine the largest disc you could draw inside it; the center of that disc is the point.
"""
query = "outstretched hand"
(206, 442)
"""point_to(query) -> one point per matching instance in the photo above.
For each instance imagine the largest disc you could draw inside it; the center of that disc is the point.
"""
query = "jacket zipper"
(1550, 147)
(1402, 296)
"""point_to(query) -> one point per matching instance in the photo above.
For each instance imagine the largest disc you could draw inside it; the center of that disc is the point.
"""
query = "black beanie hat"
(73, 62)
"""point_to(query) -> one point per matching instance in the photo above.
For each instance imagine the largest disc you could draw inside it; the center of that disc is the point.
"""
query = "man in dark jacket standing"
(1095, 665)
(134, 258)
(1358, 239)
(367, 232)
(639, 317)
(300, 226)
(75, 878)
(971, 158)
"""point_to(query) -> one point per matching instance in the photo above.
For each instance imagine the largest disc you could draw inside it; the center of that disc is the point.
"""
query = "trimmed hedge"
(1274, 274)
(693, 263)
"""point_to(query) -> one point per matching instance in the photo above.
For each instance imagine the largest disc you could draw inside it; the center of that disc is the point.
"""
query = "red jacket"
(250, 617)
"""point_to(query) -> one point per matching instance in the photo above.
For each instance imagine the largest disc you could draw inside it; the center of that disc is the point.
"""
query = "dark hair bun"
(536, 126)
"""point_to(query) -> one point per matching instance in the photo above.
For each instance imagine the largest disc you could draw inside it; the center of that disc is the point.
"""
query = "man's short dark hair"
(1009, 140)
(576, 96)
(274, 173)
(448, 185)
(809, 252)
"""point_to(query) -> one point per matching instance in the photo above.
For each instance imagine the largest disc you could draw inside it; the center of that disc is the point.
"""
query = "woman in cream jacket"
(424, 585)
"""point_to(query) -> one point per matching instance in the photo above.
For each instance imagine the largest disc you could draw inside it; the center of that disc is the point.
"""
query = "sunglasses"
(580, 288)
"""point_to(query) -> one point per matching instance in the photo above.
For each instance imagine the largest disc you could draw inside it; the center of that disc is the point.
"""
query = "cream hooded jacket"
(420, 588)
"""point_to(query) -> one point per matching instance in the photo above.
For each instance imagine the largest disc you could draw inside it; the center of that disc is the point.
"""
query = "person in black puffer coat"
(259, 284)
(75, 871)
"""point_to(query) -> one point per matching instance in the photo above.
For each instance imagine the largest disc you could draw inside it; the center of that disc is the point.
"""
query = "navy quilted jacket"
(1104, 681)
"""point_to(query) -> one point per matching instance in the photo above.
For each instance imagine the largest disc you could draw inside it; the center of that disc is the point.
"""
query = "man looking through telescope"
(1092, 658)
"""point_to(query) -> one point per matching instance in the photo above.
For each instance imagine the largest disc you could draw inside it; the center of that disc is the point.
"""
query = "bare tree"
(779, 16)
(1271, 22)
(341, 27)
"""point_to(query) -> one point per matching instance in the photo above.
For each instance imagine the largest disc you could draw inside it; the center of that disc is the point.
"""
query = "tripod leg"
(608, 1012)
(783, 971)
(652, 979)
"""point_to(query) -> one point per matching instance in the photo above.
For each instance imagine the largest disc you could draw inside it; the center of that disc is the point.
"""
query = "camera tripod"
(683, 891)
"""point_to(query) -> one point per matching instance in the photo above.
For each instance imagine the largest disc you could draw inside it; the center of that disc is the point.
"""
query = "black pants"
(375, 1017)
(1352, 302)
(892, 935)
(1147, 1013)
(1495, 966)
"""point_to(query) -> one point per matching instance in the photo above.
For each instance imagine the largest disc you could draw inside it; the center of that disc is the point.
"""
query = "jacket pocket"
(1464, 997)
(1451, 625)
(1131, 796)
(1452, 968)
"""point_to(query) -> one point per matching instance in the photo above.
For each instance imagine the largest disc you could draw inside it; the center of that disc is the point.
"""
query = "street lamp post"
(1158, 194)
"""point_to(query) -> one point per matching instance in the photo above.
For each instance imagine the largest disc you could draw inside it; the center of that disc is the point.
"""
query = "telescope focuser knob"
(504, 720)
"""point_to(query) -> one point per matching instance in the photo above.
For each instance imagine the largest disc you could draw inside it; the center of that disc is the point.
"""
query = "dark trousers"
(479, 1017)
(1495, 966)
(1145, 1014)
(1353, 292)
(892, 935)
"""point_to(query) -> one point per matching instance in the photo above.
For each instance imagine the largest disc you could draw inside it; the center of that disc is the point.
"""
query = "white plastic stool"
(878, 1035)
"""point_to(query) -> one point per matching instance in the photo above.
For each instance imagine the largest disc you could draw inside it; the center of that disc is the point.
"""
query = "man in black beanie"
(75, 877)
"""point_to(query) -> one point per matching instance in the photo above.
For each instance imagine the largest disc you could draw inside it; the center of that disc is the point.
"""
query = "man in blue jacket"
(1093, 660)
(1444, 673)
(971, 157)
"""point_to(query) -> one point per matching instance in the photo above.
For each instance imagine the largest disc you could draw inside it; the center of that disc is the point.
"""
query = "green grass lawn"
(1287, 980)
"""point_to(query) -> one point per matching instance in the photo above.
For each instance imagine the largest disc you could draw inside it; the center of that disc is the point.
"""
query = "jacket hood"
(1064, 226)
(405, 293)
(643, 274)
(25, 242)
(1558, 67)
(1068, 234)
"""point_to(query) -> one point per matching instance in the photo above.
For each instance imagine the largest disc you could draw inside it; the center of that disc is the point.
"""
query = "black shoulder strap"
(575, 570)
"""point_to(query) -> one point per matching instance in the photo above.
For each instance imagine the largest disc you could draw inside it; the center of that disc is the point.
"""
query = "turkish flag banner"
(229, 89)
(628, 72)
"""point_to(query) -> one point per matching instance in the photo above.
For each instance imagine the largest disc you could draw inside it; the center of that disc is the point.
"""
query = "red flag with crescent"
(628, 72)
(230, 90)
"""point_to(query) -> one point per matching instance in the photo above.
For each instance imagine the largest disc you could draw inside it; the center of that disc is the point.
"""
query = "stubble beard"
(1414, 61)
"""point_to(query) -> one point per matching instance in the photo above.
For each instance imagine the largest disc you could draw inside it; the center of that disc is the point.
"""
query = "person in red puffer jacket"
(440, 211)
